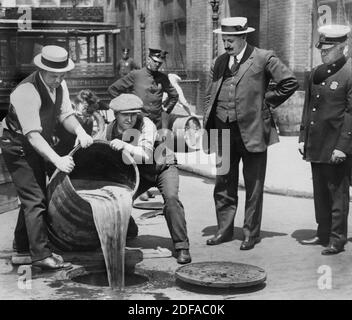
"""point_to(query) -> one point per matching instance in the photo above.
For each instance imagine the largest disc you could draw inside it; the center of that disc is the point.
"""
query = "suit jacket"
(327, 116)
(253, 99)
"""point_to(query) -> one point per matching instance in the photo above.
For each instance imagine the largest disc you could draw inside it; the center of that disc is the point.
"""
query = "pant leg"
(254, 169)
(168, 185)
(226, 183)
(21, 237)
(322, 200)
(338, 178)
(28, 175)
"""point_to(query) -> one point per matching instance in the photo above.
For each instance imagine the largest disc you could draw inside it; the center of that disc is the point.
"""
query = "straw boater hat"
(331, 35)
(54, 59)
(235, 26)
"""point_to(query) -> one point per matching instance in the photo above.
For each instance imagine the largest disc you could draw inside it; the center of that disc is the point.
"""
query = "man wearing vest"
(239, 102)
(136, 134)
(36, 105)
(326, 138)
(150, 85)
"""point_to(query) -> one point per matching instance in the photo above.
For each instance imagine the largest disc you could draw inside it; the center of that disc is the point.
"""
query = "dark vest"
(147, 171)
(48, 112)
(226, 106)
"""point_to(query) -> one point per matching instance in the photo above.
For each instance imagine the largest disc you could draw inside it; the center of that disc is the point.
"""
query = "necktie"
(233, 64)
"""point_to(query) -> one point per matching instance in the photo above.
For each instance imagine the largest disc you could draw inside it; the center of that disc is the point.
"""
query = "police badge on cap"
(157, 54)
(331, 35)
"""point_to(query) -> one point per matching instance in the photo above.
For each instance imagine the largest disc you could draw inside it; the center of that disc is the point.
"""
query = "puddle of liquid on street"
(100, 279)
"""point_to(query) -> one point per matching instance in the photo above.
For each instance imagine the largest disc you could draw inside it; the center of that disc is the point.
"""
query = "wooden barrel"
(70, 220)
(289, 114)
(187, 131)
(8, 195)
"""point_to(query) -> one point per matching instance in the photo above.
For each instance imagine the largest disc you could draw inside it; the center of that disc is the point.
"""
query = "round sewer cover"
(149, 205)
(221, 274)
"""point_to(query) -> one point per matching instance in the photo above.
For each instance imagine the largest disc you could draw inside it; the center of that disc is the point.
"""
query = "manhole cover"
(221, 274)
(149, 205)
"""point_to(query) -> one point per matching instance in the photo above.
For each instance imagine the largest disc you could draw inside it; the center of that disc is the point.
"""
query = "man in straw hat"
(239, 104)
(326, 138)
(36, 104)
(137, 134)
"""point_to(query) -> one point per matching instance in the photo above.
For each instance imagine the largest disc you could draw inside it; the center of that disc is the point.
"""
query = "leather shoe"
(52, 263)
(332, 249)
(183, 256)
(249, 243)
(219, 238)
(313, 242)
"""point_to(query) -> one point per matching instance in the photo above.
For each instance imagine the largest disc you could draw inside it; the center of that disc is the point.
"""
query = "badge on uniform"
(334, 85)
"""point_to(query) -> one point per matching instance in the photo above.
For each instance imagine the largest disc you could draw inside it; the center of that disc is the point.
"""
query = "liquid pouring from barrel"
(81, 204)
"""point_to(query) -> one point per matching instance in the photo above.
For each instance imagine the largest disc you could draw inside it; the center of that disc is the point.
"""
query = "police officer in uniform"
(126, 63)
(149, 84)
(326, 138)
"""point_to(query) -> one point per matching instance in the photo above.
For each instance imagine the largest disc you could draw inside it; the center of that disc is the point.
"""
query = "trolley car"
(91, 45)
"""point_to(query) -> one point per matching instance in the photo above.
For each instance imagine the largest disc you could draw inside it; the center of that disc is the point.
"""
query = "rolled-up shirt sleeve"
(66, 107)
(147, 136)
(26, 101)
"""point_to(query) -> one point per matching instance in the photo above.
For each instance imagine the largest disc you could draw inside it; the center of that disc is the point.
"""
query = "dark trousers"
(167, 182)
(226, 185)
(331, 184)
(27, 170)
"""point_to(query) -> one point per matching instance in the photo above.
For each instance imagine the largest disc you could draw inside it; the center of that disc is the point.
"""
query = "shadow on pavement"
(150, 242)
(218, 291)
(238, 233)
(303, 234)
(189, 174)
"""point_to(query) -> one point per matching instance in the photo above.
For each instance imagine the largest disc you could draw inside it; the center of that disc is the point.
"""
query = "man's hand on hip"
(301, 148)
(338, 156)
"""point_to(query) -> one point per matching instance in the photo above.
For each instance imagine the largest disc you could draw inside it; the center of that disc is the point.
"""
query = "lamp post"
(215, 17)
(142, 26)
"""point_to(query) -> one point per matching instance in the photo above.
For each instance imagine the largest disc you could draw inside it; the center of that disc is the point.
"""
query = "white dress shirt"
(26, 101)
(238, 57)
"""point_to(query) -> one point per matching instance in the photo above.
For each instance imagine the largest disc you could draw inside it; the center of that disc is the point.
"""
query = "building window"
(174, 41)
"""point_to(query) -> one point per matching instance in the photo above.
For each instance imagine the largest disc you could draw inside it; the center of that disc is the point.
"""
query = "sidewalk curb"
(267, 189)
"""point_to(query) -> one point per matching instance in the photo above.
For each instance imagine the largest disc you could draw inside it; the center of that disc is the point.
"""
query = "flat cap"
(126, 103)
(331, 35)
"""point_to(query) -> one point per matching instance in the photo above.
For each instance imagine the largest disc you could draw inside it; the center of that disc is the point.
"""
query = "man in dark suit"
(326, 138)
(238, 104)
